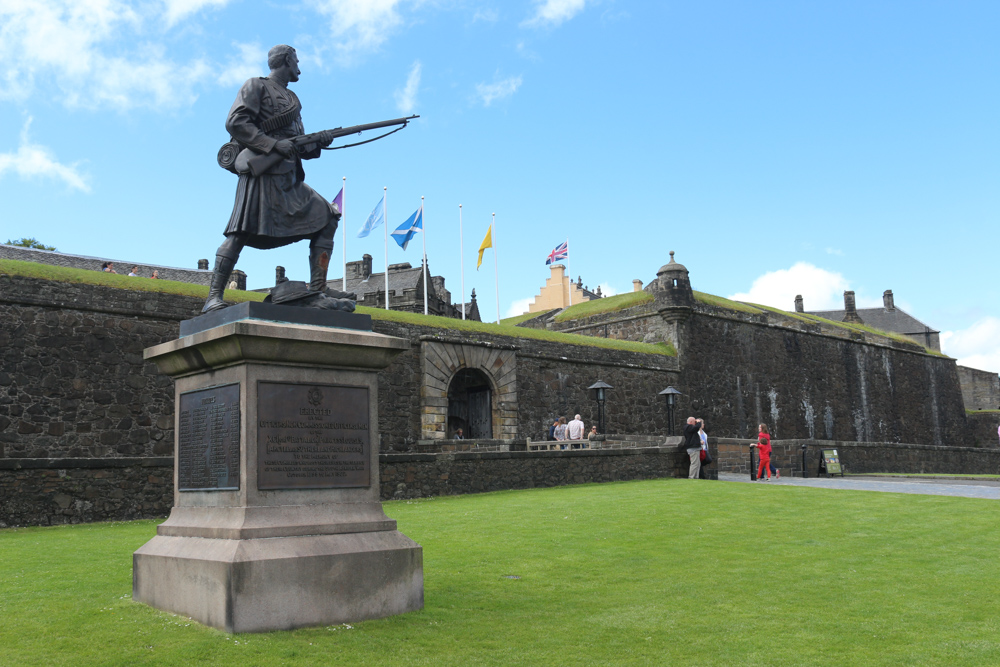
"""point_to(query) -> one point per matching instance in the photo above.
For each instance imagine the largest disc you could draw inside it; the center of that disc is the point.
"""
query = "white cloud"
(977, 346)
(518, 307)
(486, 16)
(553, 12)
(359, 26)
(66, 44)
(176, 10)
(607, 290)
(249, 60)
(498, 90)
(820, 289)
(34, 161)
(834, 251)
(406, 99)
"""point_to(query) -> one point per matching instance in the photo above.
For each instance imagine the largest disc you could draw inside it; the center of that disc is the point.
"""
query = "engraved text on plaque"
(312, 436)
(208, 439)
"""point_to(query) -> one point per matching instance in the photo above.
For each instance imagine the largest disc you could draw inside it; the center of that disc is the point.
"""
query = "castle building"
(557, 291)
(886, 318)
(406, 290)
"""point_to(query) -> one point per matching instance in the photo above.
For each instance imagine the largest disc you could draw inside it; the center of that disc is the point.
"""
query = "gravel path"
(965, 488)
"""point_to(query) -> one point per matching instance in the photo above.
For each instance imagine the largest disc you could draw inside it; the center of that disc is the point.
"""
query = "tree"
(30, 243)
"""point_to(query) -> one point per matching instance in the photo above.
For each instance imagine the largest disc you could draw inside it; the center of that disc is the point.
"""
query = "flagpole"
(570, 271)
(385, 223)
(343, 221)
(461, 254)
(496, 272)
(423, 232)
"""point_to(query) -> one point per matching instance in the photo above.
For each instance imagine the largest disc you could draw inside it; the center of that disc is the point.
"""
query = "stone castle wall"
(73, 382)
(802, 379)
(860, 457)
(811, 385)
(196, 276)
(980, 389)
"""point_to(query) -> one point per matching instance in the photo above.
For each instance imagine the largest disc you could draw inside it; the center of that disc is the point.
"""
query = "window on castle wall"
(675, 282)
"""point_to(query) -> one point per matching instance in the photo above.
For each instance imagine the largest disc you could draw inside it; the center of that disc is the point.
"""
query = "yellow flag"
(487, 243)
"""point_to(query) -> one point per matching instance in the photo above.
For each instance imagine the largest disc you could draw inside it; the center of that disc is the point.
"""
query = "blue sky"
(778, 147)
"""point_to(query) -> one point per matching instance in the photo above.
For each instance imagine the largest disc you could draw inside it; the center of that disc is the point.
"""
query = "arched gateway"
(470, 404)
(468, 386)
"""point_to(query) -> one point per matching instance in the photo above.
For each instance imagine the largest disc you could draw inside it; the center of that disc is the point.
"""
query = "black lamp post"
(598, 392)
(671, 395)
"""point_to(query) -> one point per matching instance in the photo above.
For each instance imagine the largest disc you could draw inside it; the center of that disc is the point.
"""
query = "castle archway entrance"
(470, 404)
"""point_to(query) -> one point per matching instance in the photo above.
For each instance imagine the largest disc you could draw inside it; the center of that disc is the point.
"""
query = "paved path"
(966, 488)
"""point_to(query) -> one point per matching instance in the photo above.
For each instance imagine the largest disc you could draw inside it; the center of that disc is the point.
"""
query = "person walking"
(764, 452)
(692, 442)
(575, 428)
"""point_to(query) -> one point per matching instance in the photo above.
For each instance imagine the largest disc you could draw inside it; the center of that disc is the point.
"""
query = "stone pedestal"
(277, 522)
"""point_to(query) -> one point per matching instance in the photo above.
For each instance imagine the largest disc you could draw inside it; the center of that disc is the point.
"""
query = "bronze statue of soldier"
(276, 207)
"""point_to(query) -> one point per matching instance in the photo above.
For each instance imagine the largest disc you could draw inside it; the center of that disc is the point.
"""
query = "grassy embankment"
(79, 276)
(632, 299)
(608, 574)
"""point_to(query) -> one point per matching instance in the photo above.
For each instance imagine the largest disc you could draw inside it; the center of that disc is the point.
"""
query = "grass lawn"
(663, 572)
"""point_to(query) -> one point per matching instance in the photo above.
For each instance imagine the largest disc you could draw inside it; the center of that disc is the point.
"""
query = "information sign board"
(831, 461)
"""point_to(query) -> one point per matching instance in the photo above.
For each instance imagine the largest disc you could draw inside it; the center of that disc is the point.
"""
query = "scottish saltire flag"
(339, 200)
(405, 232)
(373, 221)
(561, 252)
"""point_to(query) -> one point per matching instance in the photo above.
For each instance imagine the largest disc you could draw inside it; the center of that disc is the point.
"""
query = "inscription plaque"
(208, 439)
(312, 436)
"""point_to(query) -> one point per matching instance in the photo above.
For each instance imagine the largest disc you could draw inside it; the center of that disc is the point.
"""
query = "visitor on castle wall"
(763, 446)
(560, 432)
(593, 433)
(552, 430)
(108, 267)
(155, 276)
(575, 428)
(692, 442)
(459, 434)
(703, 454)
(134, 273)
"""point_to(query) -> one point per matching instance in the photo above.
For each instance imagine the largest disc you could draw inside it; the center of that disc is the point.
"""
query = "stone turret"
(672, 286)
(798, 304)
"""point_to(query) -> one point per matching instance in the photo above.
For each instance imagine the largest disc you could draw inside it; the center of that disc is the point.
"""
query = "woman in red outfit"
(764, 452)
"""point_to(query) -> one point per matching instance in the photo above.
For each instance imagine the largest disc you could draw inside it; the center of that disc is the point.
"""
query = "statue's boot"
(223, 267)
(319, 263)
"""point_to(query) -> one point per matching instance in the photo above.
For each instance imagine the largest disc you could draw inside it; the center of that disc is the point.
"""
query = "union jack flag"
(561, 252)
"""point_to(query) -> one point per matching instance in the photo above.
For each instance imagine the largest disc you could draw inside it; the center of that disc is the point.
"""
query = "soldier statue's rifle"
(239, 160)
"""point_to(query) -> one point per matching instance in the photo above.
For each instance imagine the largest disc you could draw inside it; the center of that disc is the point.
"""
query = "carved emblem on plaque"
(315, 396)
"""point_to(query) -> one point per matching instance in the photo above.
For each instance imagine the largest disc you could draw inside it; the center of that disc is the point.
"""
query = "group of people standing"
(696, 443)
(572, 430)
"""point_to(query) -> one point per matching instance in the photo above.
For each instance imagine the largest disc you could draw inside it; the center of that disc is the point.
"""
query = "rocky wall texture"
(48, 492)
(737, 374)
(73, 382)
(984, 427)
(863, 457)
(980, 389)
(423, 475)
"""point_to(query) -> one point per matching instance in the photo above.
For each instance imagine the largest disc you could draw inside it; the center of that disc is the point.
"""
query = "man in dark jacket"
(692, 442)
